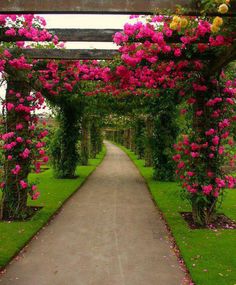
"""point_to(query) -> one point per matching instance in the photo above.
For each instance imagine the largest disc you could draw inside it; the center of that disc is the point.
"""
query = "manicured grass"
(14, 235)
(209, 255)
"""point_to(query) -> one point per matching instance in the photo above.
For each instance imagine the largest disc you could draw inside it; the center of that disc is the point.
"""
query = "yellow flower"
(218, 21)
(215, 29)
(223, 8)
(227, 1)
(176, 19)
(183, 23)
(173, 25)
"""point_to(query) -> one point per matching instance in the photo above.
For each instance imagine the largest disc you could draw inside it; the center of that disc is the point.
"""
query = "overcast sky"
(87, 22)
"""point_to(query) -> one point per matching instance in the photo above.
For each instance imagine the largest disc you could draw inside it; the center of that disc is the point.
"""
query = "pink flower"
(35, 196)
(23, 184)
(10, 32)
(176, 157)
(210, 132)
(41, 151)
(16, 170)
(224, 124)
(9, 157)
(181, 165)
(210, 174)
(230, 101)
(220, 182)
(7, 53)
(190, 173)
(10, 106)
(177, 52)
(194, 146)
(25, 153)
(207, 189)
(195, 154)
(231, 181)
(19, 127)
(216, 140)
(199, 113)
(45, 159)
(221, 150)
(34, 187)
(19, 139)
(7, 136)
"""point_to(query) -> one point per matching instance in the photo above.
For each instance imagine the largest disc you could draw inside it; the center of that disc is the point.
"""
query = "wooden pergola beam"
(102, 6)
(70, 35)
(91, 6)
(69, 54)
(77, 54)
(87, 35)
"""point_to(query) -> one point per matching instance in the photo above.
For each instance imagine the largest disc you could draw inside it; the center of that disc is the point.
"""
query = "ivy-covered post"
(132, 139)
(139, 137)
(126, 138)
(16, 166)
(95, 137)
(148, 141)
(64, 144)
(165, 134)
(84, 155)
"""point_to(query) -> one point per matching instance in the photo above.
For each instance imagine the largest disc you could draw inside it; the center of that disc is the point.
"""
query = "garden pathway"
(108, 233)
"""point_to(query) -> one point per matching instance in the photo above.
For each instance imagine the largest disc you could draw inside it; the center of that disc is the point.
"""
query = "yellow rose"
(183, 23)
(173, 25)
(215, 29)
(218, 21)
(176, 19)
(223, 8)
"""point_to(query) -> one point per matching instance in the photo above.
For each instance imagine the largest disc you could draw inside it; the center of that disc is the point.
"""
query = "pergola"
(142, 7)
(214, 61)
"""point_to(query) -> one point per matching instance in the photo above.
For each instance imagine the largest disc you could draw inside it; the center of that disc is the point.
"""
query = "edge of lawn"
(196, 249)
(11, 239)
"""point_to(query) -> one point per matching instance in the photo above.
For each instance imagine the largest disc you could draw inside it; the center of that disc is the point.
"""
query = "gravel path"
(108, 233)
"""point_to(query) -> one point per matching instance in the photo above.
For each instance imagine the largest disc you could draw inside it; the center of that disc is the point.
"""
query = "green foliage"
(165, 132)
(139, 136)
(63, 147)
(95, 137)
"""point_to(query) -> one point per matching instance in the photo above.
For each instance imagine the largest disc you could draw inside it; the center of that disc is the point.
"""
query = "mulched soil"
(221, 222)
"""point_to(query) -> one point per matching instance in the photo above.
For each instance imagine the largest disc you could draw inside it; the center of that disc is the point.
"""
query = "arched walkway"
(108, 233)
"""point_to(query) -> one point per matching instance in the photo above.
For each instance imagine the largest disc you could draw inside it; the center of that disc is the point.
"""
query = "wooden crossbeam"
(88, 35)
(103, 7)
(77, 54)
(69, 54)
(91, 6)
(70, 35)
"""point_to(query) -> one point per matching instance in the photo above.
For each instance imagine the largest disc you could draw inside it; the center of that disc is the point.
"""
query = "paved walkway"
(108, 233)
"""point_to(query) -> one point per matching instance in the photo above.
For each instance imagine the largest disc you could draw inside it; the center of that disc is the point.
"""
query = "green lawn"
(14, 235)
(209, 255)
